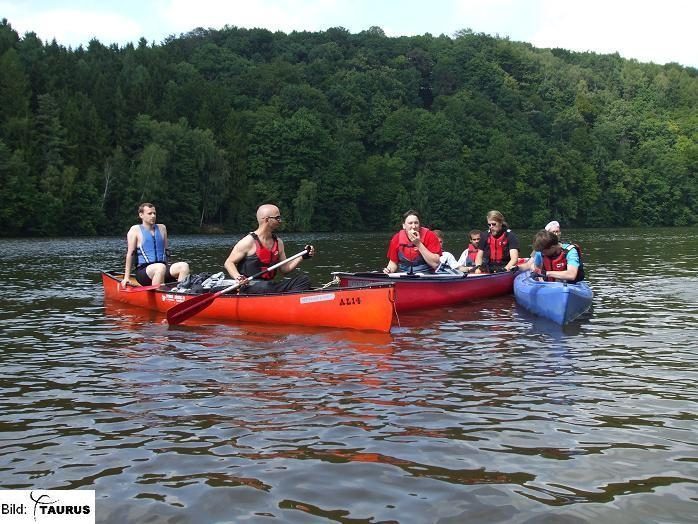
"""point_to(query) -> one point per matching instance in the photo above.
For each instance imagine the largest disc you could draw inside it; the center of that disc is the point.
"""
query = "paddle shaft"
(189, 308)
(257, 275)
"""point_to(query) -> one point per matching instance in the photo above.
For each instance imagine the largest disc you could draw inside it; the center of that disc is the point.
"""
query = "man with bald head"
(261, 249)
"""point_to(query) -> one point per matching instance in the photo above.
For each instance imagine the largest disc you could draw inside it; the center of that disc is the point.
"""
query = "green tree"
(304, 205)
(15, 93)
(342, 130)
(18, 193)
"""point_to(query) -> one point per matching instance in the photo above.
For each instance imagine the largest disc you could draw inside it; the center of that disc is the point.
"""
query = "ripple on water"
(480, 412)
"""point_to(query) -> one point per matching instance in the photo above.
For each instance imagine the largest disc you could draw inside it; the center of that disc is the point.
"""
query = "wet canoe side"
(366, 308)
(414, 292)
(560, 302)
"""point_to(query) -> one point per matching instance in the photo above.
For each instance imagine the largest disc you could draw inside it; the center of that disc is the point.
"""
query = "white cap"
(552, 224)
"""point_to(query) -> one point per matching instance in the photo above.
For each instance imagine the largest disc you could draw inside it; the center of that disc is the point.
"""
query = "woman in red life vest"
(261, 249)
(499, 248)
(413, 249)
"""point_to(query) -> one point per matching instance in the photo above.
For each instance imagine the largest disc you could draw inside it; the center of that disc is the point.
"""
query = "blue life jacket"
(152, 249)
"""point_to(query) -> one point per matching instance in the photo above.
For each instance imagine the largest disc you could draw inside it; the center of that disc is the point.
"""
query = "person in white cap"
(554, 227)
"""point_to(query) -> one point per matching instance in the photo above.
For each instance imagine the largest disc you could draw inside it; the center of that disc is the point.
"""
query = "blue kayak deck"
(561, 302)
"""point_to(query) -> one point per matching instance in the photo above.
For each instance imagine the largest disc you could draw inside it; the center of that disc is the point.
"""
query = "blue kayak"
(561, 302)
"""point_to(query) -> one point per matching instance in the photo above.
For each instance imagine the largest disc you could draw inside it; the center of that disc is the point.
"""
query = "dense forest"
(343, 131)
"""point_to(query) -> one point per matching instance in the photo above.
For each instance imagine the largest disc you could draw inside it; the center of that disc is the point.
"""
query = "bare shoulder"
(133, 237)
(244, 244)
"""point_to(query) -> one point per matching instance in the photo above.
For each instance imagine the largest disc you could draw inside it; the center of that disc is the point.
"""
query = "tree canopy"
(342, 131)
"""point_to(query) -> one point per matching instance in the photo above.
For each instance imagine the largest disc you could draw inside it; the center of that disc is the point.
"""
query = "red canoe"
(366, 307)
(420, 291)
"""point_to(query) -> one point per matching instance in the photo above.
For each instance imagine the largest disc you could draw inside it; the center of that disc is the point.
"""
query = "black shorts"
(299, 282)
(144, 280)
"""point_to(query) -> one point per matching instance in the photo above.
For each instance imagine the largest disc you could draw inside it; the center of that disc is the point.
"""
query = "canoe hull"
(430, 291)
(560, 302)
(366, 308)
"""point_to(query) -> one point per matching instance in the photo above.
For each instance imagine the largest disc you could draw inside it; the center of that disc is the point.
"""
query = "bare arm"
(131, 244)
(239, 251)
(433, 259)
(528, 265)
(513, 259)
(293, 264)
(478, 260)
(391, 267)
(568, 274)
(163, 232)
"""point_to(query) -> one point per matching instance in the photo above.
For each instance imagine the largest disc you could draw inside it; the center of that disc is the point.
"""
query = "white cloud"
(72, 27)
(502, 17)
(647, 31)
(287, 15)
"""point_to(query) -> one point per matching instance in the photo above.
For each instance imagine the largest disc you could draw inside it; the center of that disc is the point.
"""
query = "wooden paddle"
(189, 308)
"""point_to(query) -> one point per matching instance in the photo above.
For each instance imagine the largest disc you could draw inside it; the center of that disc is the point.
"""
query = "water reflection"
(480, 412)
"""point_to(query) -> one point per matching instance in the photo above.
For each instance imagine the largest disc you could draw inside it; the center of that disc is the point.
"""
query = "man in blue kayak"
(555, 261)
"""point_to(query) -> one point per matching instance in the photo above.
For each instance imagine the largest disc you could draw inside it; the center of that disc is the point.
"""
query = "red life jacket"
(472, 253)
(498, 249)
(408, 254)
(559, 262)
(261, 260)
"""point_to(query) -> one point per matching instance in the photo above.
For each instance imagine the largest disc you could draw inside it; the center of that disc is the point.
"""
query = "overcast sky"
(649, 31)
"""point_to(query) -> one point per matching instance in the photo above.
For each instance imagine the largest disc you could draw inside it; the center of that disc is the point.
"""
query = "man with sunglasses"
(499, 248)
(261, 249)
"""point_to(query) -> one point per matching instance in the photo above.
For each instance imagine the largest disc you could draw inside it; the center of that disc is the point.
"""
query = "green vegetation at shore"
(344, 131)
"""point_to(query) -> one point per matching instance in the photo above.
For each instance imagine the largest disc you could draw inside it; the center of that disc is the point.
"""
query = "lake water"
(476, 413)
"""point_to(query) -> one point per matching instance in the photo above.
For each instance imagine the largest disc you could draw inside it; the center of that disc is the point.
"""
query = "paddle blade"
(189, 308)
